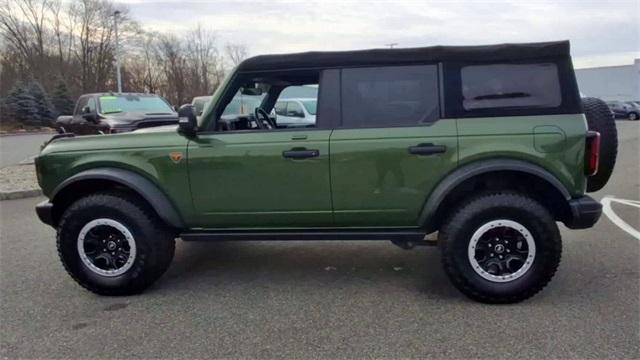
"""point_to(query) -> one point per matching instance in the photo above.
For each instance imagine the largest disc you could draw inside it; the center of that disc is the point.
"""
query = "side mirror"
(175, 108)
(187, 122)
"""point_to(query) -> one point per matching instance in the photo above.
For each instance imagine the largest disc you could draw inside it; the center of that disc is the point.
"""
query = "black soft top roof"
(484, 53)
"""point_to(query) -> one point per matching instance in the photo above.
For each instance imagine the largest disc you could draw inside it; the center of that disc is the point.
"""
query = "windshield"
(310, 105)
(243, 104)
(133, 103)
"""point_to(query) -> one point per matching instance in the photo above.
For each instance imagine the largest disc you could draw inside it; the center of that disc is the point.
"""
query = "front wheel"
(500, 248)
(114, 244)
(633, 116)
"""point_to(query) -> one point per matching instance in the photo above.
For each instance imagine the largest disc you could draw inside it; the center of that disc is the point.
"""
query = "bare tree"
(236, 52)
(22, 25)
(73, 41)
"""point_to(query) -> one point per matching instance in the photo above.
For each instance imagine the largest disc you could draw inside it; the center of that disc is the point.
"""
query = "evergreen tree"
(21, 106)
(44, 108)
(61, 99)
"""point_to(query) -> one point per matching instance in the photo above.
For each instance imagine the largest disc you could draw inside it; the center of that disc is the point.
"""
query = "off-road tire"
(155, 243)
(600, 119)
(457, 231)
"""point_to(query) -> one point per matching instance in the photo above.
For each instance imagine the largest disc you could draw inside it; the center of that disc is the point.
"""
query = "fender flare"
(136, 182)
(457, 177)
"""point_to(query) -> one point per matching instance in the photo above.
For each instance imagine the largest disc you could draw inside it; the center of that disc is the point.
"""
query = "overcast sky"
(601, 32)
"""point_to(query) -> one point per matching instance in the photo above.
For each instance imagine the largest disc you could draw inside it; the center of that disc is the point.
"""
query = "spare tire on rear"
(600, 119)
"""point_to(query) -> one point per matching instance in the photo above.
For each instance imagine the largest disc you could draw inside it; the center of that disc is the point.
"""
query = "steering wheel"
(261, 112)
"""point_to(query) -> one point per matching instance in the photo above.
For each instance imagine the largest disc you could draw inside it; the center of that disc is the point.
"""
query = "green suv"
(490, 146)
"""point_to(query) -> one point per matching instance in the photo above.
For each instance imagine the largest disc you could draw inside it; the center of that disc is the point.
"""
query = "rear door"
(391, 148)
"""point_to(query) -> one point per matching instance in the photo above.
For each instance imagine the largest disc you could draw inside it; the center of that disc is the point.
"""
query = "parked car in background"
(625, 110)
(296, 112)
(107, 113)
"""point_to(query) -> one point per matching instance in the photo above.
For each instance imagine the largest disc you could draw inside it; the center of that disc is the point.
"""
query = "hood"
(133, 118)
(157, 129)
(164, 136)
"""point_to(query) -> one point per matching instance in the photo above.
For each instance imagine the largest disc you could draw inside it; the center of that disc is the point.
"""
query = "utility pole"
(115, 22)
(391, 45)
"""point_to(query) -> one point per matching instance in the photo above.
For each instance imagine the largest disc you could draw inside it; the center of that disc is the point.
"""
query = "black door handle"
(427, 149)
(300, 153)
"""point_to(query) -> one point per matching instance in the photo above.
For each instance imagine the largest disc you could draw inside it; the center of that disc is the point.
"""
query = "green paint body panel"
(361, 178)
(144, 153)
(561, 137)
(242, 179)
(374, 179)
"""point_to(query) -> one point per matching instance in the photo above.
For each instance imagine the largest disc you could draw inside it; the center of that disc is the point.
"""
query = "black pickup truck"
(106, 113)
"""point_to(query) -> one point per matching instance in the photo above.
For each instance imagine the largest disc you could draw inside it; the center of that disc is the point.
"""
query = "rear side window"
(510, 86)
(389, 96)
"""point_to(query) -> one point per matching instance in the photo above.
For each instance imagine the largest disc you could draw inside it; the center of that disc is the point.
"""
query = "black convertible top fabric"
(501, 52)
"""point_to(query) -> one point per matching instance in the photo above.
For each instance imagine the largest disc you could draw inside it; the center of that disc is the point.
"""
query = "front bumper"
(585, 212)
(45, 212)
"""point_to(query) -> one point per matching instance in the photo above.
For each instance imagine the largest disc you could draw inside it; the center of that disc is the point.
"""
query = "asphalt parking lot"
(325, 299)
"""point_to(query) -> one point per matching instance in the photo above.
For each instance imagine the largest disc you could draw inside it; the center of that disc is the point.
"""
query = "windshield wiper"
(112, 112)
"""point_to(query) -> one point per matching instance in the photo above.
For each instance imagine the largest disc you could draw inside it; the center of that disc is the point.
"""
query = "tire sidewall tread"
(154, 242)
(455, 235)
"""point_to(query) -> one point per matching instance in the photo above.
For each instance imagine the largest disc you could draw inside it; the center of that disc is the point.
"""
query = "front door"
(261, 179)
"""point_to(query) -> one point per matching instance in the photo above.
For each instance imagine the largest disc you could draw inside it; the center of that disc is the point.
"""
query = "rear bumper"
(45, 212)
(585, 212)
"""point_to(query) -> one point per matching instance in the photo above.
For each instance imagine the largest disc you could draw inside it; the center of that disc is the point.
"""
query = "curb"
(20, 194)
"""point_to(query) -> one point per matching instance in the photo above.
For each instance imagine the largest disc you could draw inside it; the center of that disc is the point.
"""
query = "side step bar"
(252, 235)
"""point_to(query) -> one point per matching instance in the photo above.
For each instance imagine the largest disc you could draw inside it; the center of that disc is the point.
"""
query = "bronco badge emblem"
(175, 156)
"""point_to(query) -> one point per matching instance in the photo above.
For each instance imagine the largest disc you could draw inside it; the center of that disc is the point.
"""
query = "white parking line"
(606, 208)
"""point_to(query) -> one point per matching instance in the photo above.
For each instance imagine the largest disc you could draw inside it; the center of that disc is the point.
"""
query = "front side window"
(91, 104)
(263, 101)
(510, 86)
(82, 103)
(390, 96)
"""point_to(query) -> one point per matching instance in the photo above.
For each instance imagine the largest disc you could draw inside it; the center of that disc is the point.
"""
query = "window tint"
(510, 86)
(389, 96)
(294, 109)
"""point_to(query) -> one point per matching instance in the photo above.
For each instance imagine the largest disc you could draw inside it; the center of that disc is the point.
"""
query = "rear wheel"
(633, 116)
(113, 244)
(500, 248)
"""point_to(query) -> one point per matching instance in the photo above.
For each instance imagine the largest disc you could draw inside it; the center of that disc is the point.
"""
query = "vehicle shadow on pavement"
(283, 265)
